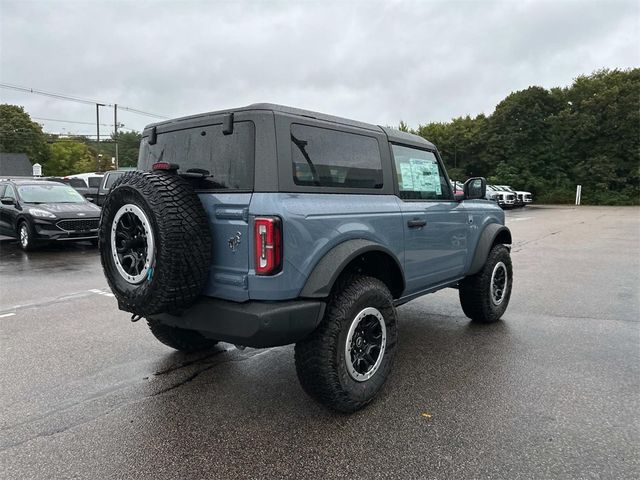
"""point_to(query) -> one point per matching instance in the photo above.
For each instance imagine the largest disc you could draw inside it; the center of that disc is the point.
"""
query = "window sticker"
(426, 177)
(406, 174)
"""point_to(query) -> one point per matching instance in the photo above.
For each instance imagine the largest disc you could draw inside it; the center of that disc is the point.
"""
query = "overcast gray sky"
(373, 61)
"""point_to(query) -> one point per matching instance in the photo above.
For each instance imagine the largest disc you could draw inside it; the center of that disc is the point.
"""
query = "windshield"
(49, 194)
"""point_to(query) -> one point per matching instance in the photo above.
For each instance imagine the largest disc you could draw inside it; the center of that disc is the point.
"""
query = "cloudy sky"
(373, 61)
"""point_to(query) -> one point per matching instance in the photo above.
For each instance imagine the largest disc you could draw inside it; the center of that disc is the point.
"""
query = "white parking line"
(101, 292)
(7, 315)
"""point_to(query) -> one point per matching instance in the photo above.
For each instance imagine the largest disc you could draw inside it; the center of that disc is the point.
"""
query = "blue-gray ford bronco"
(268, 225)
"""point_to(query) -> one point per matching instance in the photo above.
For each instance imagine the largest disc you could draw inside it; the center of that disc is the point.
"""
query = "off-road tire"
(320, 358)
(179, 338)
(182, 240)
(31, 245)
(475, 290)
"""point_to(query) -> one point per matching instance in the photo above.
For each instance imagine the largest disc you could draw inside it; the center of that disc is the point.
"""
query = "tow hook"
(135, 317)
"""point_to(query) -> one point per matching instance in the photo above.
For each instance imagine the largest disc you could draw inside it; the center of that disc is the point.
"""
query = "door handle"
(416, 223)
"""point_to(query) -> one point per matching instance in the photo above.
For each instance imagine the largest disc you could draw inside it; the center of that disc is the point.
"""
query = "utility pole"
(115, 132)
(98, 105)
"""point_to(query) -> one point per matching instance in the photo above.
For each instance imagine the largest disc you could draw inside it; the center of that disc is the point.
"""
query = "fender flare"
(486, 241)
(332, 264)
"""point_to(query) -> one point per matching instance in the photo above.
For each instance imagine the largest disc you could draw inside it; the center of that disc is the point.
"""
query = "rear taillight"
(165, 166)
(268, 242)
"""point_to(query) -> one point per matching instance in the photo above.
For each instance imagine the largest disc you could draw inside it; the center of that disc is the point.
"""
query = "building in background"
(15, 165)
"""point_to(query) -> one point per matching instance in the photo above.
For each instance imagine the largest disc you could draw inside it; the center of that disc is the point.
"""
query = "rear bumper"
(254, 324)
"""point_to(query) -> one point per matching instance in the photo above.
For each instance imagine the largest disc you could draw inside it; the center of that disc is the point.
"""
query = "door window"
(9, 192)
(419, 175)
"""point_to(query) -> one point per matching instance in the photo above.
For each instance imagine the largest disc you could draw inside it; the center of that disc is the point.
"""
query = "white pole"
(578, 194)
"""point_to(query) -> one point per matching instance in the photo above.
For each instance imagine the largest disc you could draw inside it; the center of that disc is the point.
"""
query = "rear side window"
(2, 188)
(329, 158)
(225, 161)
(111, 179)
(76, 182)
(94, 182)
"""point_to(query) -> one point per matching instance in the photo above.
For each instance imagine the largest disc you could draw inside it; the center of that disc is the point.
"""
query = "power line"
(86, 101)
(71, 121)
(27, 133)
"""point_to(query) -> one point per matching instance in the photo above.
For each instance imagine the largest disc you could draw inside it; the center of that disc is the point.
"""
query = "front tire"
(25, 236)
(484, 297)
(345, 362)
(179, 338)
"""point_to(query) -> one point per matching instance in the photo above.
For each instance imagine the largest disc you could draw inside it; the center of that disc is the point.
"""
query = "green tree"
(547, 141)
(128, 146)
(18, 134)
(69, 157)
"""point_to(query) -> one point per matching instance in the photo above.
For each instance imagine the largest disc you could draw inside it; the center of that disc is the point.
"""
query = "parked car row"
(41, 210)
(36, 212)
(507, 197)
(503, 195)
(93, 186)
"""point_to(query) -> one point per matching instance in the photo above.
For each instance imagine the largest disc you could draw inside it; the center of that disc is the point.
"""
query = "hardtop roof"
(393, 134)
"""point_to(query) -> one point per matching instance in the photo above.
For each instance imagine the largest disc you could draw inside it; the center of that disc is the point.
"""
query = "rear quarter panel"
(315, 223)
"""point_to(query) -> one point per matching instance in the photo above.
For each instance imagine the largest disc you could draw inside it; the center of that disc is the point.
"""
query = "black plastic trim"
(485, 243)
(327, 270)
(258, 324)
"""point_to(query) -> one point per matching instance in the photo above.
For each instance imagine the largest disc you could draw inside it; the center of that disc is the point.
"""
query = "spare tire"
(155, 243)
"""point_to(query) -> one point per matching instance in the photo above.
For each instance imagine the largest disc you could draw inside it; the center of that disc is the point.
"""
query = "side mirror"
(8, 201)
(475, 188)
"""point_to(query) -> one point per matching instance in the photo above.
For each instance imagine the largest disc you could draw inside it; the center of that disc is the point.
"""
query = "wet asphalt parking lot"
(552, 391)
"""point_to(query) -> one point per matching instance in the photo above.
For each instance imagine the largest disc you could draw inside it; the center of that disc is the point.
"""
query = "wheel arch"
(358, 255)
(18, 220)
(493, 234)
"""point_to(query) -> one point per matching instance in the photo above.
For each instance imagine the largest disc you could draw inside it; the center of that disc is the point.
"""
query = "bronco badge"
(234, 241)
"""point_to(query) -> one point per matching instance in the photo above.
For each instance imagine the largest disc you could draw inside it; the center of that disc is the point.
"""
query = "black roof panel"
(394, 135)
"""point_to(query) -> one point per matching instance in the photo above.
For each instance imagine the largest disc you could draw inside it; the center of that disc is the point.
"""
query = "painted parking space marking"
(9, 311)
(102, 292)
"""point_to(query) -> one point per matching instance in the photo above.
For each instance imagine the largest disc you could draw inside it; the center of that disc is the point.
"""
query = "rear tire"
(345, 362)
(180, 338)
(484, 297)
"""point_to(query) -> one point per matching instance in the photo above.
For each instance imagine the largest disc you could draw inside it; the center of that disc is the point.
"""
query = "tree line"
(62, 155)
(549, 141)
